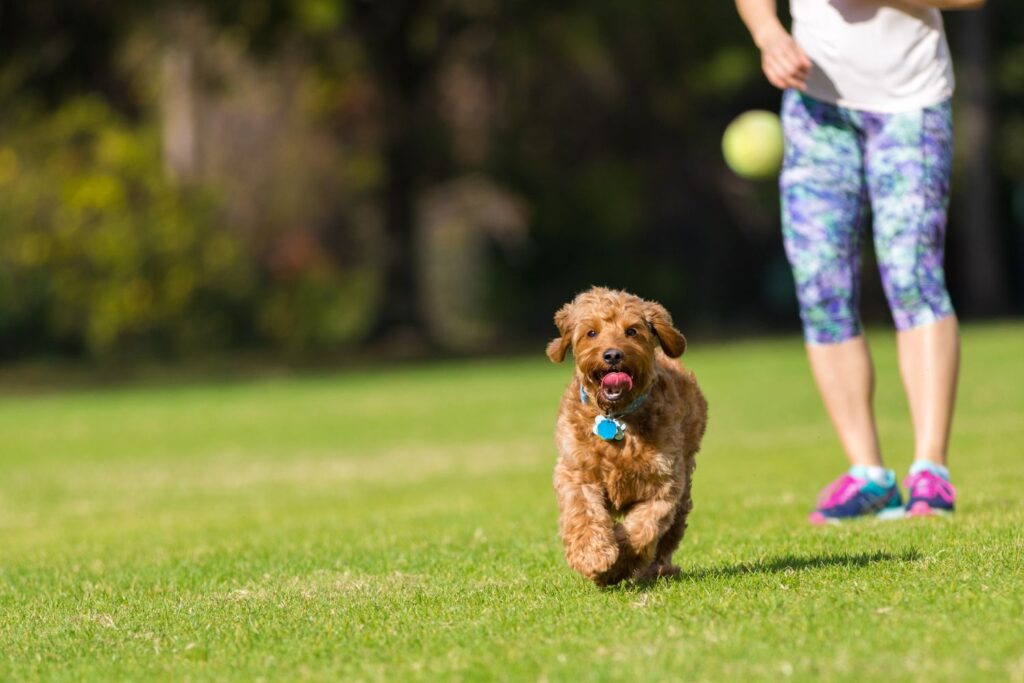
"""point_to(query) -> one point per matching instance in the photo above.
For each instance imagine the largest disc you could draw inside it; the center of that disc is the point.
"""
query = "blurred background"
(310, 178)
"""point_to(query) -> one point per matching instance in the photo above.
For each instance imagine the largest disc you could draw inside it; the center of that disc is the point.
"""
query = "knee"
(916, 293)
(828, 309)
(827, 288)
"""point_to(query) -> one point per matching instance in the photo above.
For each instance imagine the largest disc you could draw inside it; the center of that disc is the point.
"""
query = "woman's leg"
(907, 163)
(846, 380)
(823, 198)
(929, 364)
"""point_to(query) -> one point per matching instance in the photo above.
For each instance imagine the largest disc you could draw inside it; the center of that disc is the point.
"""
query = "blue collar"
(636, 402)
(610, 427)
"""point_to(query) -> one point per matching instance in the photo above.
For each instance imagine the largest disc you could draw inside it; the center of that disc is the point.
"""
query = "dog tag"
(609, 430)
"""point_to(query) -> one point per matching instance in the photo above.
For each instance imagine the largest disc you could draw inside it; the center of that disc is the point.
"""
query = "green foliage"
(323, 307)
(400, 525)
(318, 16)
(1010, 135)
(101, 254)
(100, 250)
(603, 117)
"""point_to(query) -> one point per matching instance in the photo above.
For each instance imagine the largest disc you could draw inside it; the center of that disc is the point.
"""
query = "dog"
(629, 427)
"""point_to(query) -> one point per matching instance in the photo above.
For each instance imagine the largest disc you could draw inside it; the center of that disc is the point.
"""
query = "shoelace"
(928, 485)
(841, 490)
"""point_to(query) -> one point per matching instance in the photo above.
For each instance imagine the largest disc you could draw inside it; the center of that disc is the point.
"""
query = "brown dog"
(629, 426)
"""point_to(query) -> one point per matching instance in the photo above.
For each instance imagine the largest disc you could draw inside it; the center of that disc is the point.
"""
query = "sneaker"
(929, 494)
(849, 497)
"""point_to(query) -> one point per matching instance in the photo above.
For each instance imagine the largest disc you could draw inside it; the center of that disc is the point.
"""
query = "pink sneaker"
(850, 497)
(929, 494)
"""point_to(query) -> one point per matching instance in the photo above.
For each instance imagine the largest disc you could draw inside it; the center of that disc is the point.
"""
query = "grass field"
(400, 524)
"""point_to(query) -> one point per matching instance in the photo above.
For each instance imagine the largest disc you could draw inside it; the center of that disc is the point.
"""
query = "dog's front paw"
(593, 559)
(625, 563)
(632, 562)
(659, 570)
(617, 573)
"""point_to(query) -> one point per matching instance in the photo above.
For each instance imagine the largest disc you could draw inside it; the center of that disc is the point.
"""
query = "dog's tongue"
(617, 380)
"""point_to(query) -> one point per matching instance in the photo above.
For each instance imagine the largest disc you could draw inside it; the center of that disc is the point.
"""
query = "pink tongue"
(615, 380)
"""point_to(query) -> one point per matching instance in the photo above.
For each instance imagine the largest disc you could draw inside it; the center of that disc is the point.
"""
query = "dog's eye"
(631, 332)
(591, 333)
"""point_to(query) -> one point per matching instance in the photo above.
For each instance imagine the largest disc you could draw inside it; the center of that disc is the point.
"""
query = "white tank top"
(873, 55)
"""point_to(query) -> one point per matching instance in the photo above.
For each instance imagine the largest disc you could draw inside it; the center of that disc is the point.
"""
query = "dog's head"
(614, 335)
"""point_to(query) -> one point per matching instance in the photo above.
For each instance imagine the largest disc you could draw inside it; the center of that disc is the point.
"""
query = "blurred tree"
(985, 286)
(53, 49)
(1007, 39)
(405, 42)
(99, 252)
(325, 123)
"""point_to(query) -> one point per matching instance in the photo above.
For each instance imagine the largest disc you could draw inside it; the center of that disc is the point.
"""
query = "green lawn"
(395, 525)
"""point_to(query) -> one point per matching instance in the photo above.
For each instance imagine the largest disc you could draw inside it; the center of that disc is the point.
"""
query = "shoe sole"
(923, 509)
(888, 514)
(918, 510)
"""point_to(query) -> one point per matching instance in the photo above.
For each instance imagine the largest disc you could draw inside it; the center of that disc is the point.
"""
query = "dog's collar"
(610, 427)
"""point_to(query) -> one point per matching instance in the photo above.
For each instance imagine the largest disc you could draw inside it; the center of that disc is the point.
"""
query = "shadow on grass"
(775, 565)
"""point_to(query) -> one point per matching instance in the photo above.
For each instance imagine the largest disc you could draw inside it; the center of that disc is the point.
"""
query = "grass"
(400, 525)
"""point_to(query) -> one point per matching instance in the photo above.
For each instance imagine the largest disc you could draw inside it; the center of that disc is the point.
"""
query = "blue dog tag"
(607, 429)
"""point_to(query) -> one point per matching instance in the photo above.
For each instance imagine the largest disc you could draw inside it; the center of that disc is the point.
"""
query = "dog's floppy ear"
(558, 346)
(673, 343)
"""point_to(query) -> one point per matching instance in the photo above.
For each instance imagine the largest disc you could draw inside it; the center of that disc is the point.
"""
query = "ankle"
(929, 466)
(875, 473)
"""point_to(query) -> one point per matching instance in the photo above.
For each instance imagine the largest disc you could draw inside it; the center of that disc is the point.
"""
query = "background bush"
(294, 176)
(101, 254)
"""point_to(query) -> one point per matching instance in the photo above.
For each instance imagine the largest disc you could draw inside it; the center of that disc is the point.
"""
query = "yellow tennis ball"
(752, 144)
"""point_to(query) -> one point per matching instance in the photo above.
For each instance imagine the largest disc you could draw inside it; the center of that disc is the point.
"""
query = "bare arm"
(947, 4)
(782, 60)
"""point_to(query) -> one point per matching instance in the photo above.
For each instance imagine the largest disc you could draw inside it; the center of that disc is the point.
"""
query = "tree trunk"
(177, 102)
(385, 32)
(981, 250)
(399, 313)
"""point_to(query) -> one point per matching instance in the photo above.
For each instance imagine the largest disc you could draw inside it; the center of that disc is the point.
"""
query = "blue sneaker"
(850, 497)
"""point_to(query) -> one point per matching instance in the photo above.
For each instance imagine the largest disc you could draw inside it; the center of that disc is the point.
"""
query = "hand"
(783, 61)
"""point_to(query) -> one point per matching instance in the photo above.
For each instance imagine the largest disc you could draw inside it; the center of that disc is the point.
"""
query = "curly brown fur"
(643, 480)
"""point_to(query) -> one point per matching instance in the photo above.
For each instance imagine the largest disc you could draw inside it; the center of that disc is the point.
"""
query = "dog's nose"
(612, 356)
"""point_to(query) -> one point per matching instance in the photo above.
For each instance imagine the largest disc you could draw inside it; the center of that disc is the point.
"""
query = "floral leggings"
(842, 163)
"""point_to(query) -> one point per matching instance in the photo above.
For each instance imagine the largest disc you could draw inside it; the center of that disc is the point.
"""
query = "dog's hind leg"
(662, 563)
(642, 530)
(667, 544)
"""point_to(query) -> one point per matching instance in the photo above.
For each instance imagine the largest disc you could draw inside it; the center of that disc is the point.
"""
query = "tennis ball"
(752, 144)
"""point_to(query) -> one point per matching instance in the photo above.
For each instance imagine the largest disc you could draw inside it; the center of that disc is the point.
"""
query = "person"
(867, 124)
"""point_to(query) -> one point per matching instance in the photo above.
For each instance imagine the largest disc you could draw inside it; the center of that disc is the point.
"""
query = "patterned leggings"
(839, 164)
